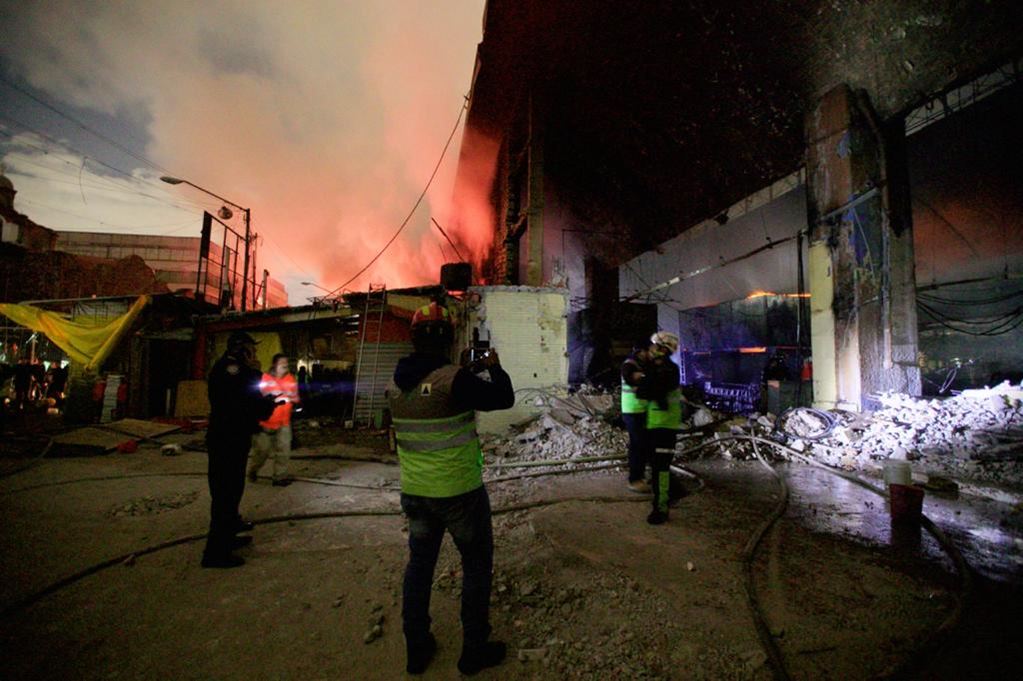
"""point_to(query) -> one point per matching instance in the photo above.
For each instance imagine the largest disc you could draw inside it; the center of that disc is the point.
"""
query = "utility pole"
(245, 265)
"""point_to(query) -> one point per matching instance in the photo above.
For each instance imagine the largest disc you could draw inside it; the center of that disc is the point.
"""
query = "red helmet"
(431, 313)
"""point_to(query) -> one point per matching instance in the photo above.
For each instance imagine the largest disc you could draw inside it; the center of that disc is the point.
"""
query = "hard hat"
(665, 339)
(431, 313)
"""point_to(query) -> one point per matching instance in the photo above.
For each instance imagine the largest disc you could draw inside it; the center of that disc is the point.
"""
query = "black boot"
(225, 560)
(419, 653)
(476, 659)
(657, 517)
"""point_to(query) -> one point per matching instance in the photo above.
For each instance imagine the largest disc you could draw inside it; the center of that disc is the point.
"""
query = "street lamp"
(313, 283)
(245, 275)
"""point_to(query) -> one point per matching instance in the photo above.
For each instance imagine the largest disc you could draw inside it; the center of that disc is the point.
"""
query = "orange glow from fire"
(762, 294)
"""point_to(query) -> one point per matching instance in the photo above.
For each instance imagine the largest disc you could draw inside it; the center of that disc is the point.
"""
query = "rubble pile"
(567, 428)
(547, 438)
(975, 435)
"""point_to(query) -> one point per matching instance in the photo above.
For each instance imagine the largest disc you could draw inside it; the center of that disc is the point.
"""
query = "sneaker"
(224, 561)
(657, 517)
(474, 660)
(282, 483)
(639, 487)
(418, 655)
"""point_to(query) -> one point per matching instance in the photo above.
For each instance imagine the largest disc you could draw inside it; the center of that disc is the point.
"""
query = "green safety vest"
(439, 457)
(438, 448)
(670, 418)
(630, 403)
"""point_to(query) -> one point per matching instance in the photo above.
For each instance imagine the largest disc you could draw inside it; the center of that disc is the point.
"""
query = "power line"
(288, 257)
(81, 125)
(414, 207)
(64, 145)
(108, 224)
(103, 188)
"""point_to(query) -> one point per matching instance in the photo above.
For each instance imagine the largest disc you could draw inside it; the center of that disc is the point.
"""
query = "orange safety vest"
(286, 386)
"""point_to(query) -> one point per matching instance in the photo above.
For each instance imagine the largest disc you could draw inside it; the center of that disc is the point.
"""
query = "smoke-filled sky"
(326, 118)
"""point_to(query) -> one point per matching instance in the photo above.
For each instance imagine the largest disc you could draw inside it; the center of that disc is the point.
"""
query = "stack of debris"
(976, 435)
(568, 428)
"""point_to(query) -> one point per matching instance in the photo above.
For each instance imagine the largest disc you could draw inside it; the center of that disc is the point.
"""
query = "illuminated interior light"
(760, 294)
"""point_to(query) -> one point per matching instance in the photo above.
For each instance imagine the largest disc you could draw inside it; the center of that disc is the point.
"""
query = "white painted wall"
(529, 329)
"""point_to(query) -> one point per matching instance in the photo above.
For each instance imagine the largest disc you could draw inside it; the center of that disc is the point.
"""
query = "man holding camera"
(433, 404)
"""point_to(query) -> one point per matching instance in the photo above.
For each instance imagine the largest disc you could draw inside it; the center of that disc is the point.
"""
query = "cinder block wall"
(529, 328)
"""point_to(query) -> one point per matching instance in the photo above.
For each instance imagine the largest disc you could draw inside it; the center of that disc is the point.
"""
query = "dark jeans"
(639, 454)
(662, 444)
(467, 518)
(228, 455)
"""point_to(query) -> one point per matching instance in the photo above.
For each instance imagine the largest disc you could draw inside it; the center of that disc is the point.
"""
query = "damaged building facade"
(828, 183)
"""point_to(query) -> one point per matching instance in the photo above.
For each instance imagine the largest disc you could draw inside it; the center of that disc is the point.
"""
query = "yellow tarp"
(88, 344)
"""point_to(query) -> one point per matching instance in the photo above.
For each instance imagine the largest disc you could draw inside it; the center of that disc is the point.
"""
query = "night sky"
(325, 118)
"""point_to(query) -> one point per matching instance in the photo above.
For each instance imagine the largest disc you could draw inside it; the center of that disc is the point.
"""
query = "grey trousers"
(266, 441)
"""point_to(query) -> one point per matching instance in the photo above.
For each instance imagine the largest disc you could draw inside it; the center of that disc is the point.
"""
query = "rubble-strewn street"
(583, 589)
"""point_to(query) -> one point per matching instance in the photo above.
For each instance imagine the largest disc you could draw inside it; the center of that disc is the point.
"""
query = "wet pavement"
(982, 528)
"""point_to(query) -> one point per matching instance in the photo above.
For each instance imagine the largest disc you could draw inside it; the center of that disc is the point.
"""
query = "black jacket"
(662, 378)
(468, 390)
(236, 405)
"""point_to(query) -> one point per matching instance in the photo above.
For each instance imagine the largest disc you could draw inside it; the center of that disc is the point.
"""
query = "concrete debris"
(373, 634)
(170, 450)
(976, 435)
(568, 427)
(142, 506)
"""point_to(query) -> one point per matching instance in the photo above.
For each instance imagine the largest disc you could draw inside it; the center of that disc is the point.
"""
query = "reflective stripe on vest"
(439, 457)
(630, 403)
(670, 418)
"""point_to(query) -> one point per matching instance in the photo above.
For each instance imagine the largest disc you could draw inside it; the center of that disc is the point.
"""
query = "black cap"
(239, 338)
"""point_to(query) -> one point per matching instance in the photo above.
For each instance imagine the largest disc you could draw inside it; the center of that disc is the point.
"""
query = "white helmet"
(665, 339)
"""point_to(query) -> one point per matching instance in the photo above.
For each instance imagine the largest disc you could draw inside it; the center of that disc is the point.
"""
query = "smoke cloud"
(326, 118)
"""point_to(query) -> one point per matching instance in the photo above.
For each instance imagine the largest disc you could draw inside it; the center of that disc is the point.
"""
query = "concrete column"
(862, 286)
(534, 211)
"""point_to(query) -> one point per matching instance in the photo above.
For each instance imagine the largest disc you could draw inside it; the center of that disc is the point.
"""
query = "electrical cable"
(63, 145)
(415, 206)
(774, 656)
(35, 597)
(34, 462)
(81, 125)
(1012, 321)
(962, 568)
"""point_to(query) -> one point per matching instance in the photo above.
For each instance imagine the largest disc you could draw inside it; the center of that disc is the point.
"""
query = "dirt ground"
(584, 588)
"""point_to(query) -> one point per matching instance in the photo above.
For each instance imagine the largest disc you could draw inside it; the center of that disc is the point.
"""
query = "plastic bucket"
(898, 473)
(906, 503)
